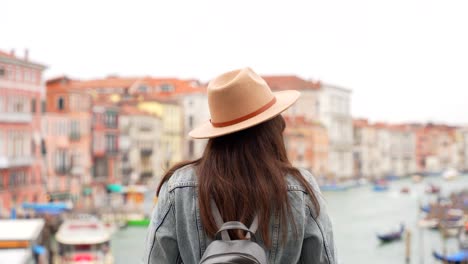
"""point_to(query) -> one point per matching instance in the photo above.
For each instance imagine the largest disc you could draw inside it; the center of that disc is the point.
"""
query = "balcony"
(62, 170)
(112, 151)
(12, 162)
(13, 117)
(146, 174)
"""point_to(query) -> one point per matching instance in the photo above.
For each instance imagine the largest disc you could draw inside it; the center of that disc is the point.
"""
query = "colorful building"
(66, 129)
(171, 115)
(436, 147)
(334, 112)
(140, 144)
(307, 106)
(402, 150)
(366, 150)
(307, 145)
(105, 142)
(21, 92)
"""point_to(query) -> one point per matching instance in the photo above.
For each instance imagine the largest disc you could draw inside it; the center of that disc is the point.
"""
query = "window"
(12, 179)
(16, 146)
(2, 104)
(167, 87)
(2, 71)
(43, 106)
(9, 71)
(18, 73)
(143, 88)
(33, 76)
(191, 148)
(111, 143)
(60, 103)
(2, 146)
(16, 104)
(111, 119)
(74, 130)
(33, 105)
(61, 161)
(190, 122)
(27, 75)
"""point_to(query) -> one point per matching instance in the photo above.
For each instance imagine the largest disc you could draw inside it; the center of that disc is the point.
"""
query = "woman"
(245, 171)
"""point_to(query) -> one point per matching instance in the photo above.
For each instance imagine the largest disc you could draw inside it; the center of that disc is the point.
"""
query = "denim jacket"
(176, 234)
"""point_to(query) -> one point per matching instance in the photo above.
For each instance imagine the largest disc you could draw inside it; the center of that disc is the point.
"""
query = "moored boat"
(392, 236)
(333, 188)
(433, 189)
(455, 258)
(21, 241)
(450, 174)
(83, 240)
(380, 188)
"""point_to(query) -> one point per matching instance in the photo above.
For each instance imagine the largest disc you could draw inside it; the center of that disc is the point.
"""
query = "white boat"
(450, 174)
(20, 241)
(83, 241)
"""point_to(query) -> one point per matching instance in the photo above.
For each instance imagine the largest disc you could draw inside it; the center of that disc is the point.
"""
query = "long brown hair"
(245, 173)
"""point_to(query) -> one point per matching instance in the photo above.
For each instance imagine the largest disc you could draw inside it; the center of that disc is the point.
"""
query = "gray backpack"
(225, 250)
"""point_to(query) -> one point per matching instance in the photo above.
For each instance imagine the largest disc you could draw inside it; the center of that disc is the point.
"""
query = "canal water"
(358, 215)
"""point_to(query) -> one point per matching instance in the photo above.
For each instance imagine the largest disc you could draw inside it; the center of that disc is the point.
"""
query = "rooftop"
(290, 82)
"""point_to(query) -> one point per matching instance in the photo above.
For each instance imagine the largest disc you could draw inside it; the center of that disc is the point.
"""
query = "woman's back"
(245, 170)
(176, 233)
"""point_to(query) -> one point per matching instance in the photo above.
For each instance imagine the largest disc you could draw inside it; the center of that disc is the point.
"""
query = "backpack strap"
(218, 220)
(220, 223)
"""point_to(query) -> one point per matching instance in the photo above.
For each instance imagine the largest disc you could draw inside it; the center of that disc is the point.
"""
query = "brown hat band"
(243, 118)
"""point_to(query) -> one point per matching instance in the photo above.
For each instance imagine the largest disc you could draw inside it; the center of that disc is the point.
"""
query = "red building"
(67, 136)
(307, 145)
(436, 148)
(105, 149)
(20, 125)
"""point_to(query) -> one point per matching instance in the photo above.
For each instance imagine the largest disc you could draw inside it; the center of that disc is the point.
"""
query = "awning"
(114, 188)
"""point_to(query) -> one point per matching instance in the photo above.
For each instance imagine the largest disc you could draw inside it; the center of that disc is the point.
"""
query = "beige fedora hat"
(241, 99)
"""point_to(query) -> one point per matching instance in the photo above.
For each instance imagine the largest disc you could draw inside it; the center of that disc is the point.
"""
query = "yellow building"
(171, 115)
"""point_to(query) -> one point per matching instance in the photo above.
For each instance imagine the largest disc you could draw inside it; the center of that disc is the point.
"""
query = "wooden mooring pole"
(408, 247)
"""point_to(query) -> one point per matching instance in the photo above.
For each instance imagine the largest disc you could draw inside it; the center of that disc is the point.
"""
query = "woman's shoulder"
(183, 177)
(295, 185)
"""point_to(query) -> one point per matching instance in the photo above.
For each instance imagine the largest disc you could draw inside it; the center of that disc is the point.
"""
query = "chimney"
(26, 54)
(12, 52)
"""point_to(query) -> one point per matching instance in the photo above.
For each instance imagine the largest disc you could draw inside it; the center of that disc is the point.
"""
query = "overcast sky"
(404, 60)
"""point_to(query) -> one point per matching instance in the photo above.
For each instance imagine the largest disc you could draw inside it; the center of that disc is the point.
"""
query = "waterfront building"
(436, 147)
(195, 112)
(463, 148)
(402, 150)
(21, 94)
(366, 151)
(307, 105)
(140, 145)
(334, 112)
(307, 145)
(66, 129)
(330, 105)
(170, 113)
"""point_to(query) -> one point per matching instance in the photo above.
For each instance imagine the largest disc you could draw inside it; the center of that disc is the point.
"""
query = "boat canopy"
(52, 208)
(20, 229)
(16, 256)
(79, 232)
(117, 188)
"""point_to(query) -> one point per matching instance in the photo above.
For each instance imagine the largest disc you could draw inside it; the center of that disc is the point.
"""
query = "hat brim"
(284, 99)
